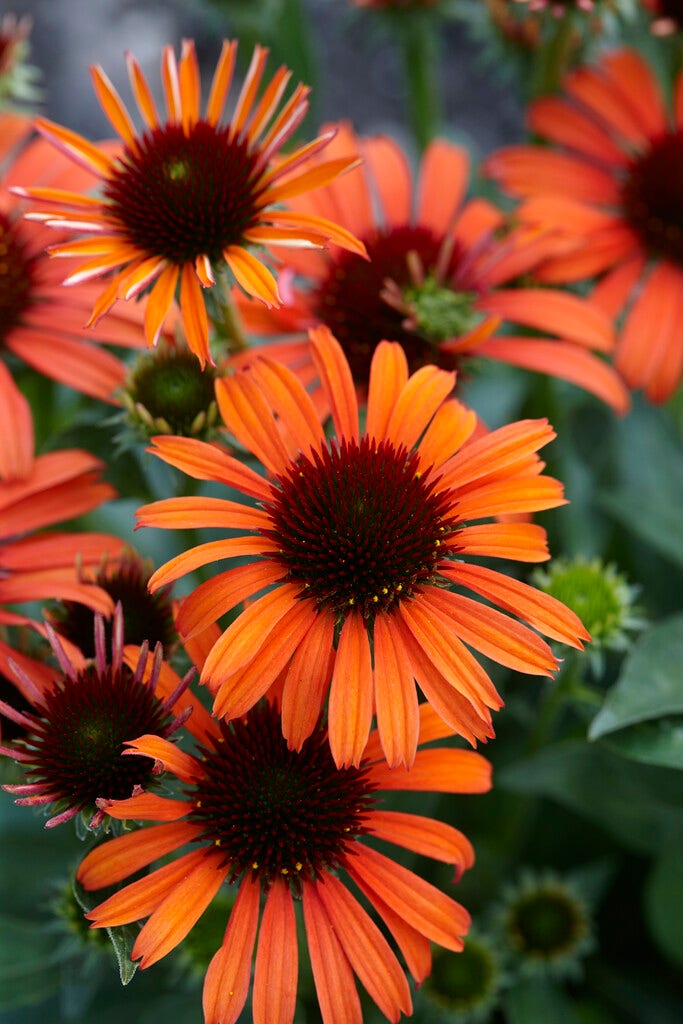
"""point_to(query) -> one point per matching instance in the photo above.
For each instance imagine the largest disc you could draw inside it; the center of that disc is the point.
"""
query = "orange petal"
(523, 542)
(395, 695)
(388, 377)
(193, 312)
(205, 461)
(275, 971)
(443, 181)
(226, 985)
(351, 696)
(113, 106)
(419, 400)
(248, 416)
(118, 858)
(141, 898)
(218, 595)
(334, 982)
(422, 835)
(252, 275)
(159, 302)
(307, 680)
(437, 770)
(336, 380)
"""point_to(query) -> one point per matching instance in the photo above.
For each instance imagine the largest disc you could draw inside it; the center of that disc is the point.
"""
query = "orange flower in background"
(37, 492)
(435, 281)
(615, 189)
(289, 824)
(190, 195)
(40, 322)
(353, 541)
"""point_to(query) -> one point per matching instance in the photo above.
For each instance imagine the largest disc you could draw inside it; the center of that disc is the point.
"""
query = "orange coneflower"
(40, 322)
(189, 194)
(36, 492)
(356, 539)
(443, 279)
(290, 824)
(615, 189)
(72, 748)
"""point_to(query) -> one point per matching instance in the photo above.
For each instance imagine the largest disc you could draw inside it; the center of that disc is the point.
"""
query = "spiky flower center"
(180, 195)
(358, 526)
(467, 981)
(277, 812)
(17, 273)
(652, 196)
(146, 616)
(171, 386)
(78, 742)
(350, 299)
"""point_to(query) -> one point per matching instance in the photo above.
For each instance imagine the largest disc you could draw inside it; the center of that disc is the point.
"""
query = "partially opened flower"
(289, 825)
(355, 541)
(614, 188)
(73, 744)
(38, 491)
(189, 195)
(42, 323)
(445, 279)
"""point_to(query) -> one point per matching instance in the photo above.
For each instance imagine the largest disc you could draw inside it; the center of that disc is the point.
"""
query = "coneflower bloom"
(443, 279)
(189, 195)
(40, 322)
(615, 189)
(73, 744)
(290, 825)
(38, 491)
(354, 541)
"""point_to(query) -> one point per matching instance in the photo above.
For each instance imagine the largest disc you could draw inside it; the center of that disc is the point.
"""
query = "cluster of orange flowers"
(353, 491)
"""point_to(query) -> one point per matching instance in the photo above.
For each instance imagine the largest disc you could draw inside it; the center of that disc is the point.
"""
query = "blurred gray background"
(359, 68)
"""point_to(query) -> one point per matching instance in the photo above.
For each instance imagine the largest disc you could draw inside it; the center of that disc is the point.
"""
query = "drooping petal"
(275, 973)
(226, 985)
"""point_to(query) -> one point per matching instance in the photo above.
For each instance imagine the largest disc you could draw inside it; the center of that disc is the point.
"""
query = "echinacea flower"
(443, 279)
(72, 748)
(146, 617)
(614, 188)
(355, 540)
(189, 195)
(38, 491)
(290, 825)
(42, 323)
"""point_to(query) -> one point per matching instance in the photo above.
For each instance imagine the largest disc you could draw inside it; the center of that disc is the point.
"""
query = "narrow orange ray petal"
(141, 92)
(247, 95)
(171, 85)
(452, 425)
(336, 380)
(508, 497)
(113, 105)
(523, 542)
(437, 770)
(185, 766)
(391, 178)
(16, 429)
(118, 858)
(418, 902)
(211, 551)
(208, 461)
(222, 79)
(307, 680)
(218, 595)
(555, 119)
(252, 275)
(415, 947)
(193, 313)
(351, 694)
(147, 807)
(487, 630)
(159, 302)
(424, 392)
(327, 228)
(141, 898)
(241, 691)
(526, 170)
(497, 452)
(422, 835)
(189, 85)
(366, 949)
(277, 961)
(540, 610)
(316, 177)
(198, 511)
(267, 105)
(244, 637)
(334, 982)
(569, 316)
(182, 908)
(226, 985)
(290, 401)
(442, 162)
(75, 146)
(248, 416)
(388, 377)
(395, 696)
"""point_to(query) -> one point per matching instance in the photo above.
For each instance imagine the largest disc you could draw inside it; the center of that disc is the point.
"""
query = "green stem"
(559, 693)
(225, 318)
(554, 59)
(419, 43)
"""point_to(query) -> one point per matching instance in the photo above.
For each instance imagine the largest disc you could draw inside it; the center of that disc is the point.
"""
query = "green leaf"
(639, 804)
(663, 900)
(535, 1000)
(29, 963)
(650, 684)
(656, 743)
(649, 500)
(122, 938)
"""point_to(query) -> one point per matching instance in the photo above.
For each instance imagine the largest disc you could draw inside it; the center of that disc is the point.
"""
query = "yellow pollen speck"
(217, 842)
(284, 871)
(375, 599)
(399, 588)
(385, 591)
(437, 543)
(198, 803)
(255, 865)
(298, 865)
(352, 600)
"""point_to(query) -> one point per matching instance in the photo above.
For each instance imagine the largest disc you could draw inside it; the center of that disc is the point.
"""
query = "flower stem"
(225, 318)
(420, 48)
(554, 58)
